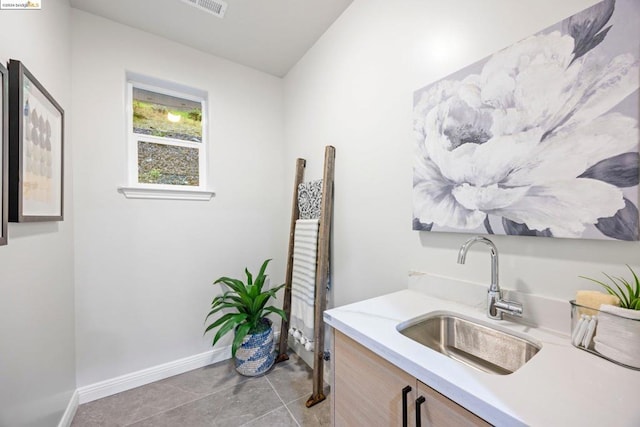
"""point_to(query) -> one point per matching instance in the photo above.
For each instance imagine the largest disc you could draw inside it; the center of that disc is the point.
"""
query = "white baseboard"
(126, 382)
(69, 413)
(155, 373)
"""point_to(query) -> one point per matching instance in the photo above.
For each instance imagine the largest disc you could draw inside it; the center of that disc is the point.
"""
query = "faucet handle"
(512, 308)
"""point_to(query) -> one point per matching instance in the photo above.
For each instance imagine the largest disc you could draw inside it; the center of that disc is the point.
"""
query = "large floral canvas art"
(540, 138)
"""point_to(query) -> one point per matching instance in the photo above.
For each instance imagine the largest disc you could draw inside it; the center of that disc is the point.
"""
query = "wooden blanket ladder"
(322, 272)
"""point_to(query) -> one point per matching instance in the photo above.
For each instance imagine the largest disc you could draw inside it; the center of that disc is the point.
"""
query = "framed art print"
(538, 139)
(36, 141)
(4, 152)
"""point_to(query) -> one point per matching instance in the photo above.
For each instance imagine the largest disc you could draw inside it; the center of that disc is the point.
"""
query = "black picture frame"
(4, 153)
(36, 149)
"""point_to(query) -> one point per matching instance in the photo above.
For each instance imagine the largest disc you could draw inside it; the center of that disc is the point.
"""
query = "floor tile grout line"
(204, 396)
(295, 420)
(167, 410)
(228, 387)
(263, 415)
(274, 388)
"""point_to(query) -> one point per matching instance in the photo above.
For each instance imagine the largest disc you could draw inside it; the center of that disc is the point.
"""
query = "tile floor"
(214, 396)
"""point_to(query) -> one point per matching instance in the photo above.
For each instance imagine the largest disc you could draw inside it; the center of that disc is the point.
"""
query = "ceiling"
(268, 35)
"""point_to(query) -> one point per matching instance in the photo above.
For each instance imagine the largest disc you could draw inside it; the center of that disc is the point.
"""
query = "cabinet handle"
(405, 391)
(419, 401)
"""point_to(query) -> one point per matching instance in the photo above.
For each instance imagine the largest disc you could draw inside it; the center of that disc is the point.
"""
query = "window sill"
(164, 194)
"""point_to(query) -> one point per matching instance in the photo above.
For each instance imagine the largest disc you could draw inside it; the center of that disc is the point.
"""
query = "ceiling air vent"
(214, 7)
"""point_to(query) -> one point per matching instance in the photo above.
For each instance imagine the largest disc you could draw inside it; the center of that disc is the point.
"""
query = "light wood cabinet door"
(368, 389)
(440, 411)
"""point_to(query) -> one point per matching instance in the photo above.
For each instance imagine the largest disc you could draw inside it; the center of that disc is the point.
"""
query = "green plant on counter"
(627, 293)
(248, 303)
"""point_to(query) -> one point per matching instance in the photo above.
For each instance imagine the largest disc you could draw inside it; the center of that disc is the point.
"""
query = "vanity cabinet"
(439, 410)
(369, 391)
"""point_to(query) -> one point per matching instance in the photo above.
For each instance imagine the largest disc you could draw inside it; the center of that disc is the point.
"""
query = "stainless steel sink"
(472, 343)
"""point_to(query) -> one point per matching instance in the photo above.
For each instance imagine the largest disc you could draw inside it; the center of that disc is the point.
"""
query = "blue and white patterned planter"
(256, 356)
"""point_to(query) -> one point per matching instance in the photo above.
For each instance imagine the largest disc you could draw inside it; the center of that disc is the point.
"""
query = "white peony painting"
(538, 139)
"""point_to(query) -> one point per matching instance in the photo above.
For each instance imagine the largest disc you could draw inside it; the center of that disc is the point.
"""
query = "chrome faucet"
(496, 306)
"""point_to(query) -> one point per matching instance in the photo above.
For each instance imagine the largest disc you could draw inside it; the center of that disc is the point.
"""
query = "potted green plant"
(252, 347)
(618, 328)
(627, 292)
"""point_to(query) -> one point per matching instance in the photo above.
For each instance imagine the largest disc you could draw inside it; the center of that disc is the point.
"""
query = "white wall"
(354, 90)
(37, 346)
(144, 268)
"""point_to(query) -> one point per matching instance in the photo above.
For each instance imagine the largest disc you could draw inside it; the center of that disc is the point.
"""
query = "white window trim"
(165, 194)
(136, 190)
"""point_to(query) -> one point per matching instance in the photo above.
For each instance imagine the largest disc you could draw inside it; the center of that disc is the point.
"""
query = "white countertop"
(559, 386)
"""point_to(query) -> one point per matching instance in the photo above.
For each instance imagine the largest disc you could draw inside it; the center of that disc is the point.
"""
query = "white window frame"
(136, 189)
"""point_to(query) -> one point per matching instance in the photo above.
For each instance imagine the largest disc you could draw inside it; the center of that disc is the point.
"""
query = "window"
(166, 127)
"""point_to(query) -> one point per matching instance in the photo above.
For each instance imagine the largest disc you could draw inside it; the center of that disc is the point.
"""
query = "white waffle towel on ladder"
(305, 248)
